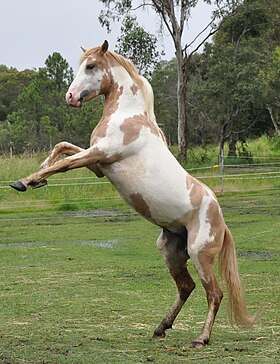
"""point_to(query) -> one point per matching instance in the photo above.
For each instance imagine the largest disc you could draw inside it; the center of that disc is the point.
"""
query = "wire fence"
(253, 171)
(247, 178)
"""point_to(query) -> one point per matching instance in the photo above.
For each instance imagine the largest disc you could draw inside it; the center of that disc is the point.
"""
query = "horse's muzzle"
(76, 100)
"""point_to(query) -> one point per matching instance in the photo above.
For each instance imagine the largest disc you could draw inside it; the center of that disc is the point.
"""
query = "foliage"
(57, 69)
(231, 92)
(232, 80)
(233, 85)
(138, 45)
(41, 117)
(164, 82)
(12, 83)
(271, 79)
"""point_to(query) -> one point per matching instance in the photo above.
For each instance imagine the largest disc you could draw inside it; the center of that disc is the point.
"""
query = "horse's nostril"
(70, 95)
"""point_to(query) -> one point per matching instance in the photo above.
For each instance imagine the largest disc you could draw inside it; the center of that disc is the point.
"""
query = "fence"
(241, 177)
(244, 177)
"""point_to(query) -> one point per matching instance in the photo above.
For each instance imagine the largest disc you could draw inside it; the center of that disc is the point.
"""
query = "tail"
(228, 266)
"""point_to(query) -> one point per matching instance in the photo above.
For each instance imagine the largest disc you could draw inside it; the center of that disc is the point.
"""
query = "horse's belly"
(156, 188)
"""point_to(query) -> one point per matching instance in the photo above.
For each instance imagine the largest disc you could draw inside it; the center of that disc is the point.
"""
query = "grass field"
(82, 281)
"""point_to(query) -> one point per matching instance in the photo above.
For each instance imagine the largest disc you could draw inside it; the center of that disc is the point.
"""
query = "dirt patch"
(101, 213)
(107, 215)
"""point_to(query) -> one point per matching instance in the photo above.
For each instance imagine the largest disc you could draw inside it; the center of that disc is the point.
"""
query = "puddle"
(101, 213)
(105, 244)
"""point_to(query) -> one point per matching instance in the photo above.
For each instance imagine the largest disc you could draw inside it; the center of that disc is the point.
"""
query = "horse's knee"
(186, 291)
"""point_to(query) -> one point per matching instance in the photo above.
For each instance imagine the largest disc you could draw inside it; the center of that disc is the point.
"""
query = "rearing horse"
(128, 148)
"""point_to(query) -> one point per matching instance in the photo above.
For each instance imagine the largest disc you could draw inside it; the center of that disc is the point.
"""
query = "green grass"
(77, 288)
(75, 190)
(82, 281)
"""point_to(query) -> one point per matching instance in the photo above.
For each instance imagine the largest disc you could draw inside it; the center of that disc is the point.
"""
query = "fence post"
(221, 168)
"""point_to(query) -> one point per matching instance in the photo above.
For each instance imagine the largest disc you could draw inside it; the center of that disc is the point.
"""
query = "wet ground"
(106, 244)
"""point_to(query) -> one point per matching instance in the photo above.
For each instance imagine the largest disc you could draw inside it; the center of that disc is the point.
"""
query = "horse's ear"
(83, 49)
(104, 47)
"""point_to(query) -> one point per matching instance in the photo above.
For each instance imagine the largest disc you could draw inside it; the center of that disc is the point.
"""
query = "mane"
(140, 81)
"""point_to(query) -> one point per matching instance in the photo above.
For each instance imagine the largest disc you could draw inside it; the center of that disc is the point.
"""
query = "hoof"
(19, 186)
(42, 183)
(159, 335)
(197, 345)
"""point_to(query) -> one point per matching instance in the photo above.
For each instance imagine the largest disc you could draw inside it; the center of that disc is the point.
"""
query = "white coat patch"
(203, 236)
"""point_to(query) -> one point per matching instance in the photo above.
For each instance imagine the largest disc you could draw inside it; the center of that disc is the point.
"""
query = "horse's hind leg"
(204, 260)
(173, 250)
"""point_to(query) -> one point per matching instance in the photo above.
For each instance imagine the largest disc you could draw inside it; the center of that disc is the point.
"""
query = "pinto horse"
(128, 147)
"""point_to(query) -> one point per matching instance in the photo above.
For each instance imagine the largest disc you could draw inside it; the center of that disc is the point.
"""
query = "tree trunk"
(182, 107)
(274, 122)
(223, 138)
(232, 152)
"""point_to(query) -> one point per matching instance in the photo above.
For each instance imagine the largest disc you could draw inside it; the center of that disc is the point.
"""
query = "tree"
(41, 118)
(58, 70)
(237, 86)
(12, 82)
(174, 15)
(40, 108)
(271, 78)
(203, 127)
(164, 81)
(138, 45)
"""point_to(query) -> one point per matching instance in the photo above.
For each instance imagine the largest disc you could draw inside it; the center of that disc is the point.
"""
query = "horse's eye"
(90, 66)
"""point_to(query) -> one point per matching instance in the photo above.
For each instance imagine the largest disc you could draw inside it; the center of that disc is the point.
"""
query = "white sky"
(31, 30)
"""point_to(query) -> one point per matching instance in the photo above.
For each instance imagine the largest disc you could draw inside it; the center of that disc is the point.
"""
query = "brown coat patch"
(132, 126)
(134, 89)
(140, 205)
(111, 106)
(215, 217)
(197, 191)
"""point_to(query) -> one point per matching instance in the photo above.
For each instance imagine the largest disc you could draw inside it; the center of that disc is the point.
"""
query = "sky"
(31, 30)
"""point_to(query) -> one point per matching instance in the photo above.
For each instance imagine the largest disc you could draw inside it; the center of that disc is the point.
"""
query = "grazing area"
(82, 280)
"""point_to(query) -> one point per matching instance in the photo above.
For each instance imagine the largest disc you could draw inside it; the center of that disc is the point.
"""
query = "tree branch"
(199, 34)
(202, 42)
(158, 5)
(209, 34)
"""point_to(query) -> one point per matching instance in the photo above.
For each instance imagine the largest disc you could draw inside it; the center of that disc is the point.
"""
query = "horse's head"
(92, 77)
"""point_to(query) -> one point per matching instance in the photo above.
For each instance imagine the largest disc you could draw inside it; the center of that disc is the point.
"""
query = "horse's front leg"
(68, 149)
(59, 149)
(85, 158)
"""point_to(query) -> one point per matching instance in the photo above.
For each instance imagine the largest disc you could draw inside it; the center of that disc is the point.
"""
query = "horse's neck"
(125, 96)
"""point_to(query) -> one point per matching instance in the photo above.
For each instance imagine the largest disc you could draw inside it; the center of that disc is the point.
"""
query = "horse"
(128, 147)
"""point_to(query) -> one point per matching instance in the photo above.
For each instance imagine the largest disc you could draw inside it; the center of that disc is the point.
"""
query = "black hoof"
(42, 183)
(159, 335)
(19, 186)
